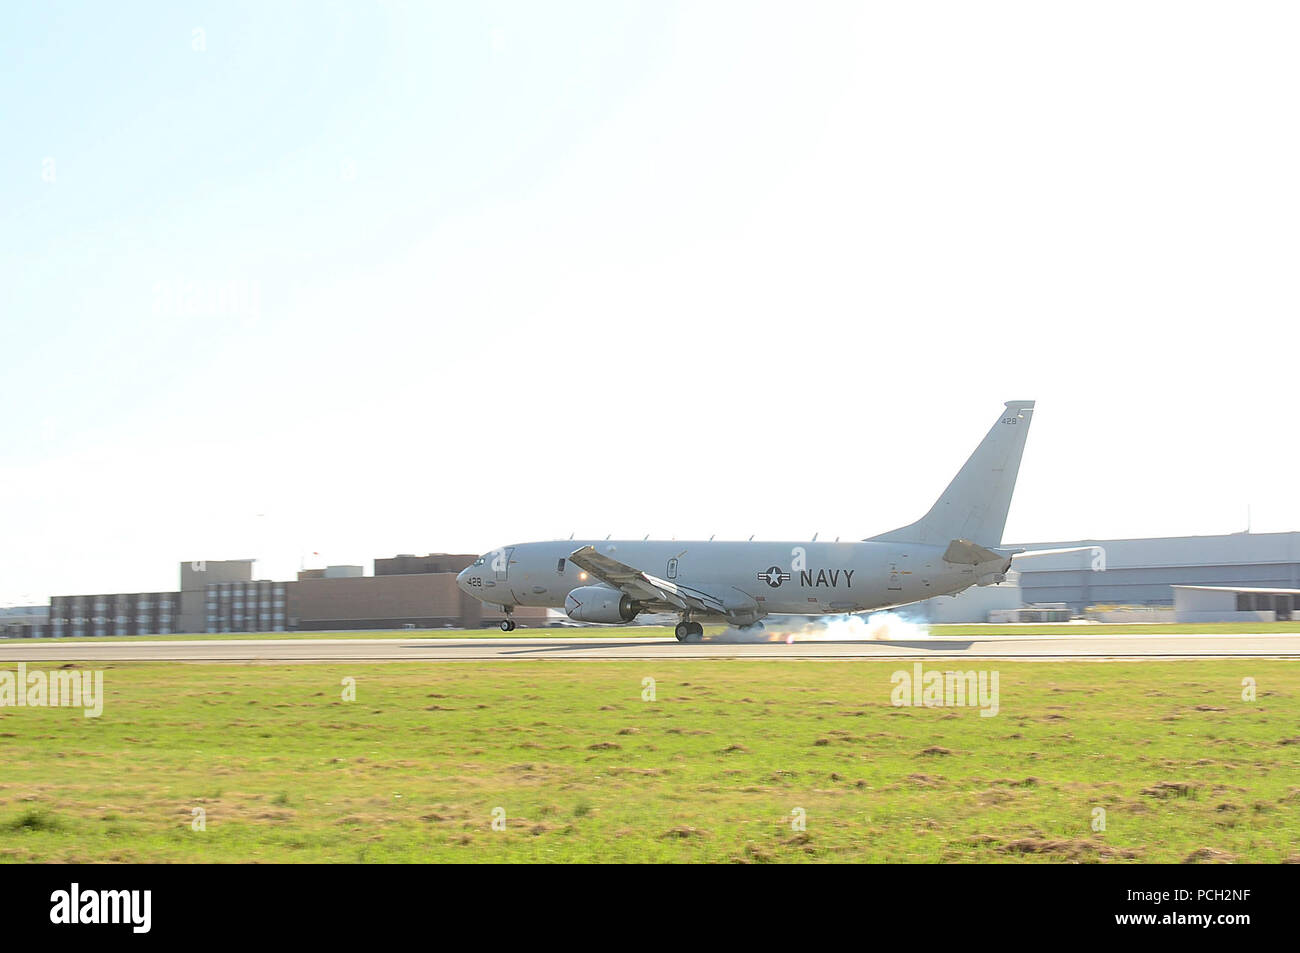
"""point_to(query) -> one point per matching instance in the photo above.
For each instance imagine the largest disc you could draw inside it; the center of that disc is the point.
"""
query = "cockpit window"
(480, 561)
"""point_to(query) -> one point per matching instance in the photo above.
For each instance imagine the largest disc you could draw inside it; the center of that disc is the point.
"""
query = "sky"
(313, 283)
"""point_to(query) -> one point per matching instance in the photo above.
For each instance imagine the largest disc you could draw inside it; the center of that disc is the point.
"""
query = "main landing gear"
(686, 630)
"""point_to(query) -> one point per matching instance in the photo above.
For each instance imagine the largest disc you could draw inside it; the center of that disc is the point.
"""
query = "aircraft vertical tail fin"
(975, 505)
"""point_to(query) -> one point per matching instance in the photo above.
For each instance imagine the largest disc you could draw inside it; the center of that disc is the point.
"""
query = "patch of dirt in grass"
(275, 816)
(926, 780)
(1028, 782)
(1168, 789)
(683, 832)
(753, 854)
(1065, 849)
(1209, 855)
(362, 820)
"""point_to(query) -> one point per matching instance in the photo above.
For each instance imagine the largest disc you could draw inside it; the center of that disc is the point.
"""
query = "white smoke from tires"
(876, 627)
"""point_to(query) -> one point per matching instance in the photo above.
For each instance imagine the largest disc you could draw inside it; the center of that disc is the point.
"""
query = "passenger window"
(672, 569)
(559, 567)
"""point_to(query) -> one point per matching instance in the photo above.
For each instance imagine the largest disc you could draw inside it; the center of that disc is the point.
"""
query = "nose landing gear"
(507, 624)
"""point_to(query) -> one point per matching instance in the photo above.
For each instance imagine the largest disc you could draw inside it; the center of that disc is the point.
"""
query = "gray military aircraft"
(954, 546)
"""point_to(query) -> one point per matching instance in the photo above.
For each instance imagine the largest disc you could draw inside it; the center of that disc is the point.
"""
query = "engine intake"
(599, 604)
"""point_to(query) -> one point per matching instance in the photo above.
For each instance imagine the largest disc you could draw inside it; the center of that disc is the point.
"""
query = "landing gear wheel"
(507, 625)
(696, 629)
(683, 631)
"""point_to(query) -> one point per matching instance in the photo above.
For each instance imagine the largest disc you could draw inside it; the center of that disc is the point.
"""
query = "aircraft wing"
(660, 593)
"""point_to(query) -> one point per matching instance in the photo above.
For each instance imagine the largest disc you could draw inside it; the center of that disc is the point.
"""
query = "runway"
(1043, 648)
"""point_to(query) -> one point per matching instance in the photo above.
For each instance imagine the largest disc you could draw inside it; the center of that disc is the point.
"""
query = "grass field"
(651, 631)
(711, 769)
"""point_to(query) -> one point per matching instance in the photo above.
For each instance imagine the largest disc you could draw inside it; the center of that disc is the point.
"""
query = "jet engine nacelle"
(599, 604)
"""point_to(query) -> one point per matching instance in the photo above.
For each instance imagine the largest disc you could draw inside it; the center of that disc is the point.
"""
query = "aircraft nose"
(460, 579)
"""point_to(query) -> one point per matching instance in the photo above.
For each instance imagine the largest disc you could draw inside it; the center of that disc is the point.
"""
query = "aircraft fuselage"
(794, 578)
